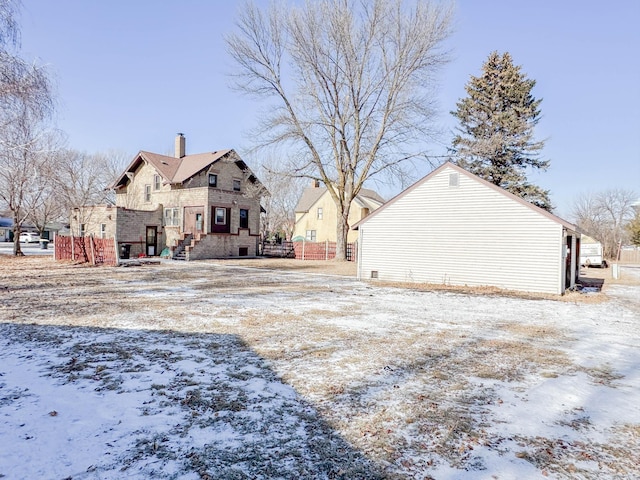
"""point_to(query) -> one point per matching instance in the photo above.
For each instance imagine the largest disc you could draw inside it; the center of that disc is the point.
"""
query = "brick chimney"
(180, 145)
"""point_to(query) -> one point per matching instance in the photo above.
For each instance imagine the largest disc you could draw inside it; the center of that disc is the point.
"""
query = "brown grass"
(370, 385)
(328, 267)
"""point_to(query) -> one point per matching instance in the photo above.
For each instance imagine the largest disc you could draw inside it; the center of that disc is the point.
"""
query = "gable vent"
(454, 179)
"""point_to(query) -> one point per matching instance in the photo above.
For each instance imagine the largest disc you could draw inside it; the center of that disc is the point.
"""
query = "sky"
(132, 74)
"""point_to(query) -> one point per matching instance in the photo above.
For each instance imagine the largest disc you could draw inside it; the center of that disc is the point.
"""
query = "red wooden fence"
(322, 251)
(96, 251)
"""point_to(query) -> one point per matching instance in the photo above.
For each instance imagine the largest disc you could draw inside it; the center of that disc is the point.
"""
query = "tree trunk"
(342, 231)
(17, 251)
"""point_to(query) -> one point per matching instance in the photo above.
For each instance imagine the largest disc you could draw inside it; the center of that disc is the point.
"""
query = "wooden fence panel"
(97, 251)
(630, 255)
(322, 251)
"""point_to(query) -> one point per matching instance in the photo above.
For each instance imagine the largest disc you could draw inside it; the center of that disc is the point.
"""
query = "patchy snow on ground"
(210, 371)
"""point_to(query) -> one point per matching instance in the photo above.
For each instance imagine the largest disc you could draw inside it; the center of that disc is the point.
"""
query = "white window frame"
(172, 217)
(224, 216)
(103, 230)
(147, 193)
(319, 213)
(311, 236)
(157, 182)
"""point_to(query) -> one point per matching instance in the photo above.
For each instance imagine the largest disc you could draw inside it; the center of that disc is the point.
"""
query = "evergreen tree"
(633, 228)
(495, 138)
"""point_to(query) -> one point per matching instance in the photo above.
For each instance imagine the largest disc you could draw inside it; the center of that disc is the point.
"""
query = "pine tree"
(633, 228)
(495, 138)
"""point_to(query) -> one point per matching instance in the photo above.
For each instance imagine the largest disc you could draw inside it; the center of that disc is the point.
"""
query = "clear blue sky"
(132, 73)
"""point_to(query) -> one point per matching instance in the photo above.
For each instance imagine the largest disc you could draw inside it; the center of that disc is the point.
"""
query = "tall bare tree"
(284, 193)
(42, 202)
(350, 84)
(25, 104)
(605, 216)
(83, 179)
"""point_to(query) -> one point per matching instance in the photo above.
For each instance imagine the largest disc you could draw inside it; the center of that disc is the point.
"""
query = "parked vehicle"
(591, 255)
(28, 237)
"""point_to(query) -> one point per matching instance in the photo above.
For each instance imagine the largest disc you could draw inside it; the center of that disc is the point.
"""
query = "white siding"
(469, 234)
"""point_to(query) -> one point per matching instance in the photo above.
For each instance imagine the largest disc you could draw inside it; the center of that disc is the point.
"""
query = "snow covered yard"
(208, 370)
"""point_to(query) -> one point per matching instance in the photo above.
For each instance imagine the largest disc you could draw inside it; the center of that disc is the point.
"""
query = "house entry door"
(152, 241)
(193, 219)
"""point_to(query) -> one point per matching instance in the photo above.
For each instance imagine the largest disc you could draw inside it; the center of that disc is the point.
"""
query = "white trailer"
(591, 254)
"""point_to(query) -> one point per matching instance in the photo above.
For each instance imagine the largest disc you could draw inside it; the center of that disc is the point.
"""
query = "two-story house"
(316, 213)
(198, 206)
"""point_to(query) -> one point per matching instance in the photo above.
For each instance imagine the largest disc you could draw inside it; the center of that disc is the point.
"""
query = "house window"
(311, 236)
(213, 180)
(319, 213)
(172, 217)
(244, 218)
(454, 180)
(147, 193)
(82, 229)
(157, 182)
(236, 185)
(103, 230)
(221, 216)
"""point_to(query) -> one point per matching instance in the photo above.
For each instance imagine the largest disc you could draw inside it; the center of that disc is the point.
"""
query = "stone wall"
(223, 246)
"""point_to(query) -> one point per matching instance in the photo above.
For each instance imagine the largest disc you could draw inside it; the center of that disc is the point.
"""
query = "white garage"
(454, 228)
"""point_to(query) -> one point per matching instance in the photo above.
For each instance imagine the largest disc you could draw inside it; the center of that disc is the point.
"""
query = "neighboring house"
(316, 213)
(455, 228)
(189, 206)
(6, 229)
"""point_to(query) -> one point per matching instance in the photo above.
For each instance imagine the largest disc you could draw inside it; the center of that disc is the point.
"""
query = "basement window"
(374, 273)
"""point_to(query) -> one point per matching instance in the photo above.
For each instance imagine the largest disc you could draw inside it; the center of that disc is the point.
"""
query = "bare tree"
(42, 201)
(351, 85)
(285, 190)
(605, 216)
(25, 105)
(83, 179)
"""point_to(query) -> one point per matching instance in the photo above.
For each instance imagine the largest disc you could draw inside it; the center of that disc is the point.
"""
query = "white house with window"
(454, 228)
(205, 205)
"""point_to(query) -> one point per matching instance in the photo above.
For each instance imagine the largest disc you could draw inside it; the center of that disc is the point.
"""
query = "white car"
(28, 237)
